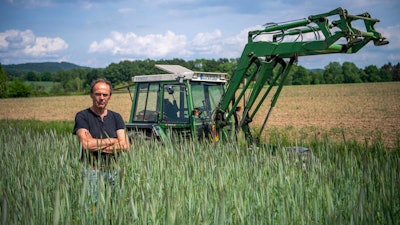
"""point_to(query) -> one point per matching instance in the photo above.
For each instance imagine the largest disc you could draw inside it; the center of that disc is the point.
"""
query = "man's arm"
(121, 143)
(107, 145)
(123, 140)
(94, 144)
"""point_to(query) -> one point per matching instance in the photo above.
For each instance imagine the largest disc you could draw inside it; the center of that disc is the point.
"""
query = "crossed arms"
(106, 145)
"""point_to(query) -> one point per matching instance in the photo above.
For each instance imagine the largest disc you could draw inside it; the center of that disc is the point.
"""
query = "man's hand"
(116, 145)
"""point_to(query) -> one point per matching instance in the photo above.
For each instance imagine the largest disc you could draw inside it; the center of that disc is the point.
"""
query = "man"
(101, 133)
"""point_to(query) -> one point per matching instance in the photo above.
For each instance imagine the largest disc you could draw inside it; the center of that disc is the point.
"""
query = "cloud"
(15, 40)
(17, 44)
(126, 10)
(46, 46)
(392, 35)
(151, 45)
(207, 43)
(31, 3)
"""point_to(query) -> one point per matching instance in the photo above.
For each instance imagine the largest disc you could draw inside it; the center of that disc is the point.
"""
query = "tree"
(301, 76)
(92, 75)
(3, 83)
(372, 74)
(391, 72)
(47, 76)
(32, 76)
(317, 77)
(333, 73)
(111, 73)
(385, 75)
(396, 72)
(351, 73)
(227, 66)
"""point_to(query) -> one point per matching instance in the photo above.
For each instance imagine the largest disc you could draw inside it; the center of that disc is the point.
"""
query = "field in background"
(360, 111)
(45, 86)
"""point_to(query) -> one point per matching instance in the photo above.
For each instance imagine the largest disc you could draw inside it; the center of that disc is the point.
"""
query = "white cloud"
(391, 33)
(15, 39)
(126, 10)
(151, 45)
(207, 43)
(46, 46)
(24, 44)
(205, 38)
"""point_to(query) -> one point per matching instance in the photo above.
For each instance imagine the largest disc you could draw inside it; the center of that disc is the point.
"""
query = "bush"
(18, 88)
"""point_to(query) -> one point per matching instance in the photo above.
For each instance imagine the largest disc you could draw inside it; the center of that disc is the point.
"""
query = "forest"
(68, 79)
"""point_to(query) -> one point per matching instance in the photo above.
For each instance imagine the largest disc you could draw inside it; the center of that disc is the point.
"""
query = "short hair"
(101, 80)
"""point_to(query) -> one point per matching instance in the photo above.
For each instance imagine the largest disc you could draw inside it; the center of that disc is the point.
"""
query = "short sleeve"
(120, 124)
(80, 122)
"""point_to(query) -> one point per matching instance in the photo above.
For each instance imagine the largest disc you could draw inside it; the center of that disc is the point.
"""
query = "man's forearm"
(118, 146)
(107, 145)
(94, 144)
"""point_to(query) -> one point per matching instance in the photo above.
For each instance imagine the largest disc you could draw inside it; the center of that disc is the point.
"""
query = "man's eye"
(100, 94)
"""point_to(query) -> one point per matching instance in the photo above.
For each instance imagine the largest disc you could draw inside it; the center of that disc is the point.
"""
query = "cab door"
(175, 111)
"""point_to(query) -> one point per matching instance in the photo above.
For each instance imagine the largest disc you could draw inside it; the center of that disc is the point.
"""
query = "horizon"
(80, 66)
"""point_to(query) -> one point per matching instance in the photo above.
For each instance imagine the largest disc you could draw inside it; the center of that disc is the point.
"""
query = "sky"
(96, 33)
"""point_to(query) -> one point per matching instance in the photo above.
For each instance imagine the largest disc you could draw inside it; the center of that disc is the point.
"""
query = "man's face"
(101, 94)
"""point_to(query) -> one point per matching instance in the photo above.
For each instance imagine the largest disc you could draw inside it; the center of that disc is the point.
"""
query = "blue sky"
(96, 33)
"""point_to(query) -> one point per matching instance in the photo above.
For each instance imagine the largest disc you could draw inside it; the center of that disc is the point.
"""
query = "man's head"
(98, 81)
(100, 92)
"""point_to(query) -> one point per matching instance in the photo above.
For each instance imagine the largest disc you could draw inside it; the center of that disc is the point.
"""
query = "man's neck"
(99, 111)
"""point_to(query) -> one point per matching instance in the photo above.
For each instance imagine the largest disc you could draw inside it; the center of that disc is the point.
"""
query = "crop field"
(346, 111)
(351, 177)
(195, 183)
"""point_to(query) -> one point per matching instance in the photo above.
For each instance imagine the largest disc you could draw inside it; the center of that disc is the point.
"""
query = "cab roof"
(180, 73)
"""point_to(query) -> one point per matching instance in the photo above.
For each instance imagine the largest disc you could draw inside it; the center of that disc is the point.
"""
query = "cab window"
(175, 108)
(146, 102)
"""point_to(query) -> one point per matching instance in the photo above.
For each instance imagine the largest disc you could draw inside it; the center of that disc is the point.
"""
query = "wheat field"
(191, 182)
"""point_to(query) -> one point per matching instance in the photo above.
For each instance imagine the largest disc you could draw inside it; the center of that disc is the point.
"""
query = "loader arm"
(267, 63)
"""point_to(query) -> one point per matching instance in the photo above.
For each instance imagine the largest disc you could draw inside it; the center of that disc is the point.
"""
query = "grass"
(197, 183)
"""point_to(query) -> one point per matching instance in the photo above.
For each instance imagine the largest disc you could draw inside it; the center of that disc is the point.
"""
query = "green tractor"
(203, 105)
(181, 102)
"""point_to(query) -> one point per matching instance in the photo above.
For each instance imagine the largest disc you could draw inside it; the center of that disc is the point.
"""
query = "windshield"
(206, 96)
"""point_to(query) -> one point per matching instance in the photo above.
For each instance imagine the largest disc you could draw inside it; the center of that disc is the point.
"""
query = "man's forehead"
(101, 85)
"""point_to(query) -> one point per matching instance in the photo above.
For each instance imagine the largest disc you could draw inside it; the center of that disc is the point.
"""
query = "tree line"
(77, 80)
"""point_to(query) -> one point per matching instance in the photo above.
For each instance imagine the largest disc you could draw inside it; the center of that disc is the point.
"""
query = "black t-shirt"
(101, 129)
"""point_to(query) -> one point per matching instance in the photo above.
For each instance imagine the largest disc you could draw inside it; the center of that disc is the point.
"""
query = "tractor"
(215, 107)
(182, 102)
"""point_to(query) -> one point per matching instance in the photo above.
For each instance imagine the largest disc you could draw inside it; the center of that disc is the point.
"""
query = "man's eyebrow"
(97, 93)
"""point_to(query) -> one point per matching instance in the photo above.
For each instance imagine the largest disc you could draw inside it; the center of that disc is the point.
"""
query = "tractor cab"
(181, 102)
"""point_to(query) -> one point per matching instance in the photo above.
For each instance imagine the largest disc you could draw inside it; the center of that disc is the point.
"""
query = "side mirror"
(170, 90)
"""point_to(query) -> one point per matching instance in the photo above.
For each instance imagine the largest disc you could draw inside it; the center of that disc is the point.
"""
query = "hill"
(39, 67)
